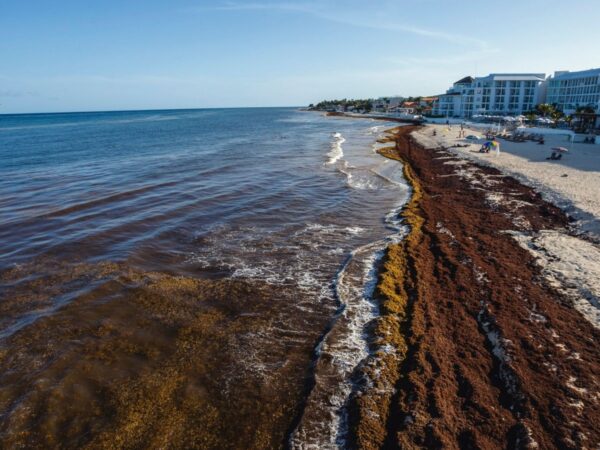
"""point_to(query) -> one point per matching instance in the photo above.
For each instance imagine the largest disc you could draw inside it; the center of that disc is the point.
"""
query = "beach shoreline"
(484, 351)
(572, 183)
(208, 334)
(458, 326)
(372, 117)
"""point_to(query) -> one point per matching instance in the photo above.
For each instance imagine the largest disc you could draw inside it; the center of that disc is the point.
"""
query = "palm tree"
(585, 110)
(556, 115)
(587, 117)
(531, 116)
(545, 109)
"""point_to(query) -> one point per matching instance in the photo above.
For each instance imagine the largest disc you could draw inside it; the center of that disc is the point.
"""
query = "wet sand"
(484, 353)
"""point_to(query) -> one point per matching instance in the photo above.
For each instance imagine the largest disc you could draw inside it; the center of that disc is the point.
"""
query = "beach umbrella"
(560, 149)
(491, 144)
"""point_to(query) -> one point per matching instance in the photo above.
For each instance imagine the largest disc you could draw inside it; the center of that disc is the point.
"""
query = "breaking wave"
(337, 151)
(345, 349)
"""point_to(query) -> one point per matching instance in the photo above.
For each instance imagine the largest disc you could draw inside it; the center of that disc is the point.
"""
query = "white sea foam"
(391, 172)
(346, 349)
(360, 179)
(337, 151)
(362, 182)
(375, 129)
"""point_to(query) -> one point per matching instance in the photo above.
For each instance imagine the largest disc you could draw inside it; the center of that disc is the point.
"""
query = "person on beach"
(555, 156)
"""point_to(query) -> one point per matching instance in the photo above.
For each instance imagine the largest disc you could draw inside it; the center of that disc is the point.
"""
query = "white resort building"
(572, 90)
(497, 93)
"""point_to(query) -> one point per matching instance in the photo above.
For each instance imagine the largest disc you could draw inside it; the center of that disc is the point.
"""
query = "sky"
(85, 55)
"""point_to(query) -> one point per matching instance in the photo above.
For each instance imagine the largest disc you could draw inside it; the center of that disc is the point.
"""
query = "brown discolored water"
(187, 278)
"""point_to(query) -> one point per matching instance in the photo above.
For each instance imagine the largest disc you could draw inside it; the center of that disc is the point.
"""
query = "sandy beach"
(489, 345)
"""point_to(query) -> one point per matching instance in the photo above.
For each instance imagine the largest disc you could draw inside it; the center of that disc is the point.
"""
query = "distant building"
(394, 102)
(497, 93)
(386, 104)
(571, 90)
(409, 107)
(426, 104)
(401, 109)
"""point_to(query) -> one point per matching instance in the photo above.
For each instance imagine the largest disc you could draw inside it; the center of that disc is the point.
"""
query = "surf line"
(347, 360)
(337, 150)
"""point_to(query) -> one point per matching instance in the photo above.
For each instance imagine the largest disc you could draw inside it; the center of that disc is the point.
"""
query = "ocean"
(204, 275)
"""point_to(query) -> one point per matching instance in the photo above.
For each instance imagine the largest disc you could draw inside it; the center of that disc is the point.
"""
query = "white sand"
(570, 264)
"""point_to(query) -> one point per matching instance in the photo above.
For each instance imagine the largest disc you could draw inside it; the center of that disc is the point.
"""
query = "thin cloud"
(446, 60)
(134, 79)
(233, 6)
(318, 11)
(14, 93)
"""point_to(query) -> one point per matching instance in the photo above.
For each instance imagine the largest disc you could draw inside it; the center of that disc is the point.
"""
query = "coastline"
(486, 353)
(210, 342)
(371, 116)
(414, 348)
(204, 334)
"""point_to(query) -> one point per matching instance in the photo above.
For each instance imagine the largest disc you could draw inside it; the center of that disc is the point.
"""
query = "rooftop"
(516, 76)
(574, 75)
(465, 80)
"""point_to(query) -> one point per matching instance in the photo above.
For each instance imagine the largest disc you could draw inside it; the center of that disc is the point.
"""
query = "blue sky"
(59, 55)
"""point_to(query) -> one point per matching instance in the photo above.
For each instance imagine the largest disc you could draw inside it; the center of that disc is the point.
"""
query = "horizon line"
(146, 109)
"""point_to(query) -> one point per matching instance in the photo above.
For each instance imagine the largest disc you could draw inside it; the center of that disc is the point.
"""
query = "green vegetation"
(548, 111)
(585, 117)
(582, 120)
(345, 104)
